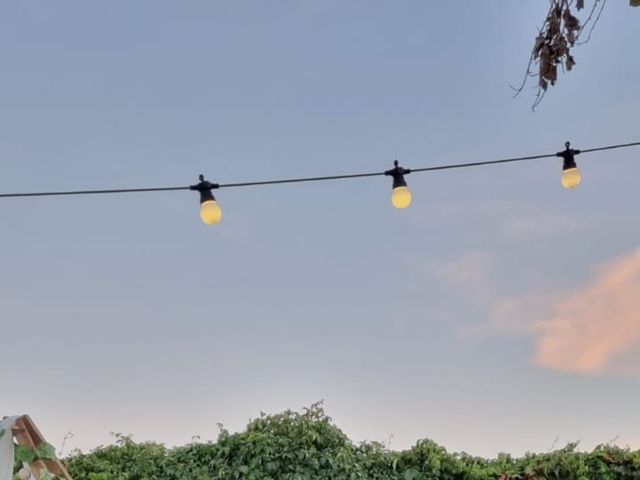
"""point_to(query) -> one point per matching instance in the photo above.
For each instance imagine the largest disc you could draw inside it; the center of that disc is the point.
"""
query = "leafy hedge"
(306, 446)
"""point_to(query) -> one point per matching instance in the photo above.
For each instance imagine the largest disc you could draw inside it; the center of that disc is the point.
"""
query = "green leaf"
(46, 452)
(99, 476)
(2, 433)
(24, 454)
(411, 474)
(46, 475)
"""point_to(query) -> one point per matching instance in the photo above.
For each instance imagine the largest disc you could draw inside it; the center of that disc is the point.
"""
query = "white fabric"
(6, 448)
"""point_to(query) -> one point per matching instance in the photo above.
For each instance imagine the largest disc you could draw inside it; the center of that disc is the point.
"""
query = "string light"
(571, 176)
(400, 194)
(211, 213)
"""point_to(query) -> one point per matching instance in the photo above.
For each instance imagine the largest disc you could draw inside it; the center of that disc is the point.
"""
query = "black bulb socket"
(397, 173)
(568, 156)
(205, 189)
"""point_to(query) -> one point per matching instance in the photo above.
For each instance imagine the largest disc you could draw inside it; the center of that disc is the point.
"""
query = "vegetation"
(561, 31)
(307, 445)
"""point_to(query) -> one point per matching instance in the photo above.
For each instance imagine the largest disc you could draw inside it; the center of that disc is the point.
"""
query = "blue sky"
(484, 317)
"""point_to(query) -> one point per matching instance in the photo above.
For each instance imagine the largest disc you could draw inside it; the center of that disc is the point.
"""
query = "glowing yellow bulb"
(210, 212)
(401, 197)
(571, 178)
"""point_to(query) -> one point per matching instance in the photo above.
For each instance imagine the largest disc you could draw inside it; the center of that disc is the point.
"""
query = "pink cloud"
(592, 330)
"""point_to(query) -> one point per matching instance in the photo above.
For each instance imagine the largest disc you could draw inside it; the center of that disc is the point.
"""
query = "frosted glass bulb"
(571, 178)
(24, 474)
(210, 212)
(401, 197)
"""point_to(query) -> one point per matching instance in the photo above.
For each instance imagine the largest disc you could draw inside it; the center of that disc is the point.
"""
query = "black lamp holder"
(568, 156)
(205, 188)
(398, 173)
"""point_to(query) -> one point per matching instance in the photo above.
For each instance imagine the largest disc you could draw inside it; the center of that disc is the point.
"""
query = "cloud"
(470, 273)
(545, 224)
(589, 330)
(513, 221)
(471, 269)
(593, 330)
(520, 315)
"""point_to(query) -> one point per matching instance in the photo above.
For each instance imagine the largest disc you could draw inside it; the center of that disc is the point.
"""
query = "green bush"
(308, 446)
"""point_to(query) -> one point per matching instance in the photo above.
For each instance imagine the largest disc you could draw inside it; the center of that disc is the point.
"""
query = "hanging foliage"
(561, 31)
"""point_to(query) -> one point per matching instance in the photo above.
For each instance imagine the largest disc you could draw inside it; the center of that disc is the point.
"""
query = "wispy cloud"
(590, 330)
(469, 270)
(540, 225)
(511, 220)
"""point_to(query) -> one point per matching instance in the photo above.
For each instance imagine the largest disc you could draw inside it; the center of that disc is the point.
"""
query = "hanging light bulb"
(24, 473)
(210, 211)
(571, 176)
(401, 197)
(400, 194)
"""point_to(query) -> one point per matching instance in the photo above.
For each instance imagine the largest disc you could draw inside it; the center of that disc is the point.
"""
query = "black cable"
(486, 162)
(377, 174)
(310, 179)
(611, 147)
(91, 192)
(300, 180)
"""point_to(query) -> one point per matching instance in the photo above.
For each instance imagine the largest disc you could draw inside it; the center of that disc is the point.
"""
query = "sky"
(499, 312)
